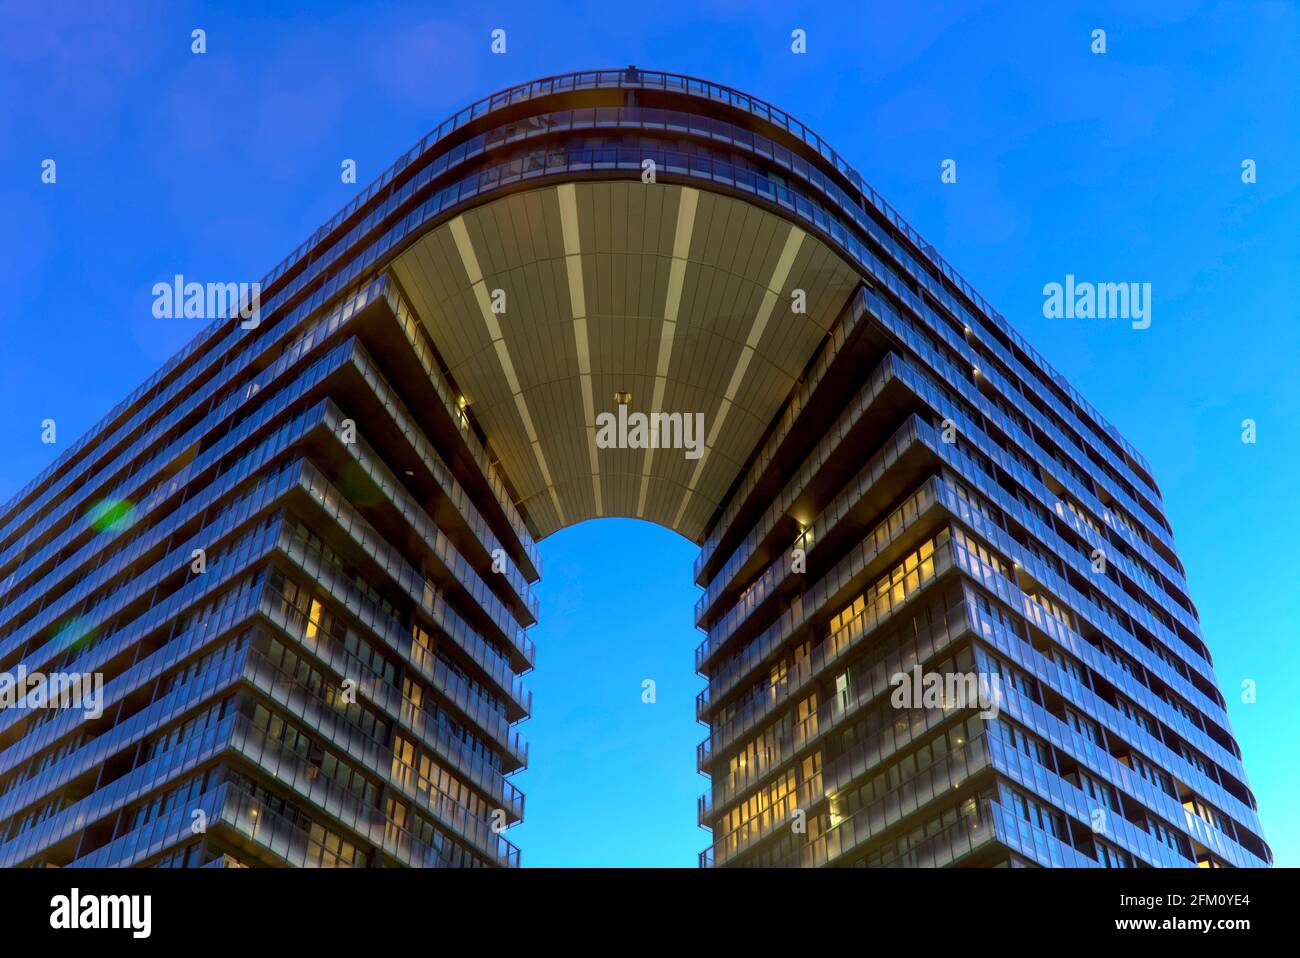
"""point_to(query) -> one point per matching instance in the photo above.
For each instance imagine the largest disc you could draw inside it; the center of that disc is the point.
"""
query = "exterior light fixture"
(622, 398)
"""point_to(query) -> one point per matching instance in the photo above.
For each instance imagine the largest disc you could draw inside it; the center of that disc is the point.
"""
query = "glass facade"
(306, 582)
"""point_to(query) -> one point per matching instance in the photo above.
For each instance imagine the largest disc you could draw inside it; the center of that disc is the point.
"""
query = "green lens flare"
(354, 483)
(111, 515)
(75, 634)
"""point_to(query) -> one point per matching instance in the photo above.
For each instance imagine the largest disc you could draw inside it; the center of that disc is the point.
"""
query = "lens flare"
(111, 515)
(74, 633)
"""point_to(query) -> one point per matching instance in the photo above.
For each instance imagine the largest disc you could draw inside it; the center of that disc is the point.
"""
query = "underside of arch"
(552, 308)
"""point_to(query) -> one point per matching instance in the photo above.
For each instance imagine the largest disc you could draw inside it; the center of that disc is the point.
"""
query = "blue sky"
(1118, 167)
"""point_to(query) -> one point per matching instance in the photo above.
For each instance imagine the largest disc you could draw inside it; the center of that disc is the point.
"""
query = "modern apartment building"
(302, 555)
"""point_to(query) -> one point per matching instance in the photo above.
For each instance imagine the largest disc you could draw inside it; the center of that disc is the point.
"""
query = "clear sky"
(1124, 166)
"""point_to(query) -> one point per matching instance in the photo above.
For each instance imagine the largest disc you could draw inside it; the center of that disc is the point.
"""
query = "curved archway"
(611, 778)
